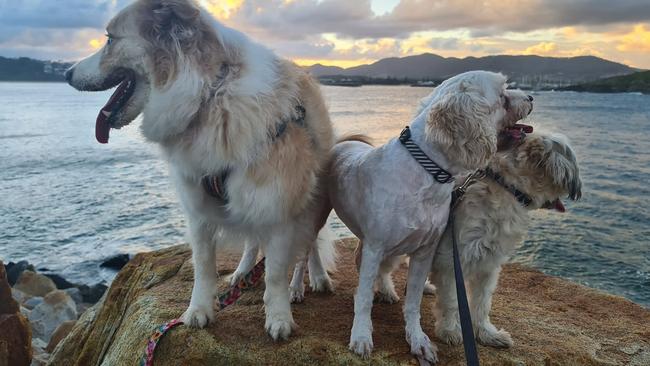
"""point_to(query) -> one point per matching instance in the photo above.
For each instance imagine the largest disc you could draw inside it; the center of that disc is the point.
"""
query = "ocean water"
(67, 202)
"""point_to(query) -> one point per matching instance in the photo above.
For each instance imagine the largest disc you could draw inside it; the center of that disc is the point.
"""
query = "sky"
(352, 32)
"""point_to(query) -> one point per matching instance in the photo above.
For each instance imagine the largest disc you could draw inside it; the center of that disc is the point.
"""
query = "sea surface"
(67, 202)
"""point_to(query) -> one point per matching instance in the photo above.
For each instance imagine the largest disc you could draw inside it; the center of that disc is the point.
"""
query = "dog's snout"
(530, 98)
(68, 75)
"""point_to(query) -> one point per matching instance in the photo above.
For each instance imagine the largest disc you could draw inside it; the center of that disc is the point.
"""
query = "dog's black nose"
(68, 75)
(530, 98)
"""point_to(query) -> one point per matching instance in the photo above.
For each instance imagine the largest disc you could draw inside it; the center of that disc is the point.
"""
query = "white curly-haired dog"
(395, 207)
(245, 133)
(491, 222)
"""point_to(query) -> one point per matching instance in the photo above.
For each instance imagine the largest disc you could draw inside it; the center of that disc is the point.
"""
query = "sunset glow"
(347, 33)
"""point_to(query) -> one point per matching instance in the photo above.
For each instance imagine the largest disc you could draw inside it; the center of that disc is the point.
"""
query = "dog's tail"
(355, 137)
(325, 244)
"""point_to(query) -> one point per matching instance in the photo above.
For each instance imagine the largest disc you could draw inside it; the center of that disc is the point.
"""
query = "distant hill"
(529, 71)
(638, 82)
(27, 69)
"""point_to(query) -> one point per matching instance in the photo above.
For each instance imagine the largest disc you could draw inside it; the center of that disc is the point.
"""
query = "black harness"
(215, 185)
(522, 197)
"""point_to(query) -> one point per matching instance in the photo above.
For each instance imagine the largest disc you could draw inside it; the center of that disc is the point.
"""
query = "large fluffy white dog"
(245, 133)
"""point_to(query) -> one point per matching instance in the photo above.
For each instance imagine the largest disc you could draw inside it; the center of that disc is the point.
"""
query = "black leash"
(469, 342)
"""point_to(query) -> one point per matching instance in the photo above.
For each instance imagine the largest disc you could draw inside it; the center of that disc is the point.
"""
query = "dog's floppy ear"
(170, 27)
(562, 165)
(460, 122)
(554, 155)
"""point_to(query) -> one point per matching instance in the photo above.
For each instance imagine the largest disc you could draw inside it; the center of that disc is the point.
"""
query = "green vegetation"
(638, 82)
(27, 69)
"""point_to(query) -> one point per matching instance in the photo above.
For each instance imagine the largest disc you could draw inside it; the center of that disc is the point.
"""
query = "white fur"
(205, 125)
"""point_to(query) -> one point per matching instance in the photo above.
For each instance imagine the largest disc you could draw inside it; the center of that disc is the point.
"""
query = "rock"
(116, 262)
(20, 296)
(56, 308)
(552, 322)
(34, 284)
(15, 334)
(14, 270)
(40, 355)
(25, 311)
(75, 294)
(92, 294)
(60, 282)
(33, 302)
(61, 332)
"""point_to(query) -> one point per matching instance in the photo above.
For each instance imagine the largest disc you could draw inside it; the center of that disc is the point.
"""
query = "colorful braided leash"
(228, 298)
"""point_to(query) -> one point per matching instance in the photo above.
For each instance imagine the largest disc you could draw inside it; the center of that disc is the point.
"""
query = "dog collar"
(522, 197)
(437, 172)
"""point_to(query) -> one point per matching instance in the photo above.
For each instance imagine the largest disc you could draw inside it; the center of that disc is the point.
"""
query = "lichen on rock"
(552, 322)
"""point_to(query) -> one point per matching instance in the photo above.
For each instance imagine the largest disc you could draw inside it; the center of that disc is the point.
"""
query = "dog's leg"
(319, 280)
(421, 346)
(247, 261)
(201, 310)
(482, 287)
(446, 306)
(297, 286)
(278, 251)
(361, 335)
(384, 285)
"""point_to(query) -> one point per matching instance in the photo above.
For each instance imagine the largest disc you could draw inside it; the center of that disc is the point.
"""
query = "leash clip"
(471, 179)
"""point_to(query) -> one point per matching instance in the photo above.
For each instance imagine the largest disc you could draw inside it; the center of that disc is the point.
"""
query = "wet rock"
(34, 284)
(552, 322)
(116, 262)
(60, 282)
(14, 270)
(20, 296)
(75, 294)
(61, 332)
(15, 334)
(56, 308)
(92, 294)
(33, 302)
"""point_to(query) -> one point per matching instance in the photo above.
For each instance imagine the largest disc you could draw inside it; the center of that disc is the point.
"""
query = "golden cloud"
(636, 41)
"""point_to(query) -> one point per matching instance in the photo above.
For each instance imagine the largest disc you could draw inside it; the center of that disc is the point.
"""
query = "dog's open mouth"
(510, 136)
(556, 205)
(108, 115)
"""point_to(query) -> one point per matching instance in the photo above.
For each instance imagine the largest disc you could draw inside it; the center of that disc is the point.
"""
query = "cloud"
(636, 41)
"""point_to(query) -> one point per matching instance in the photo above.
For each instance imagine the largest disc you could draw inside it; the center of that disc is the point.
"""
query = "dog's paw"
(236, 277)
(279, 328)
(297, 294)
(494, 338)
(198, 317)
(321, 284)
(386, 296)
(361, 345)
(429, 289)
(422, 348)
(451, 335)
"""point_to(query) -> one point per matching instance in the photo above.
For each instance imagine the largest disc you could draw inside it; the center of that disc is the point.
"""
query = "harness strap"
(438, 173)
(522, 197)
(215, 185)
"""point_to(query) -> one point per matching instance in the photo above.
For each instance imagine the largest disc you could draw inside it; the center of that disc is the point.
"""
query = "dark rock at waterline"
(116, 262)
(60, 282)
(92, 294)
(15, 269)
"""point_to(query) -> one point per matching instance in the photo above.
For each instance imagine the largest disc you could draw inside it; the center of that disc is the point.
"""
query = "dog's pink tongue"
(102, 128)
(559, 206)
